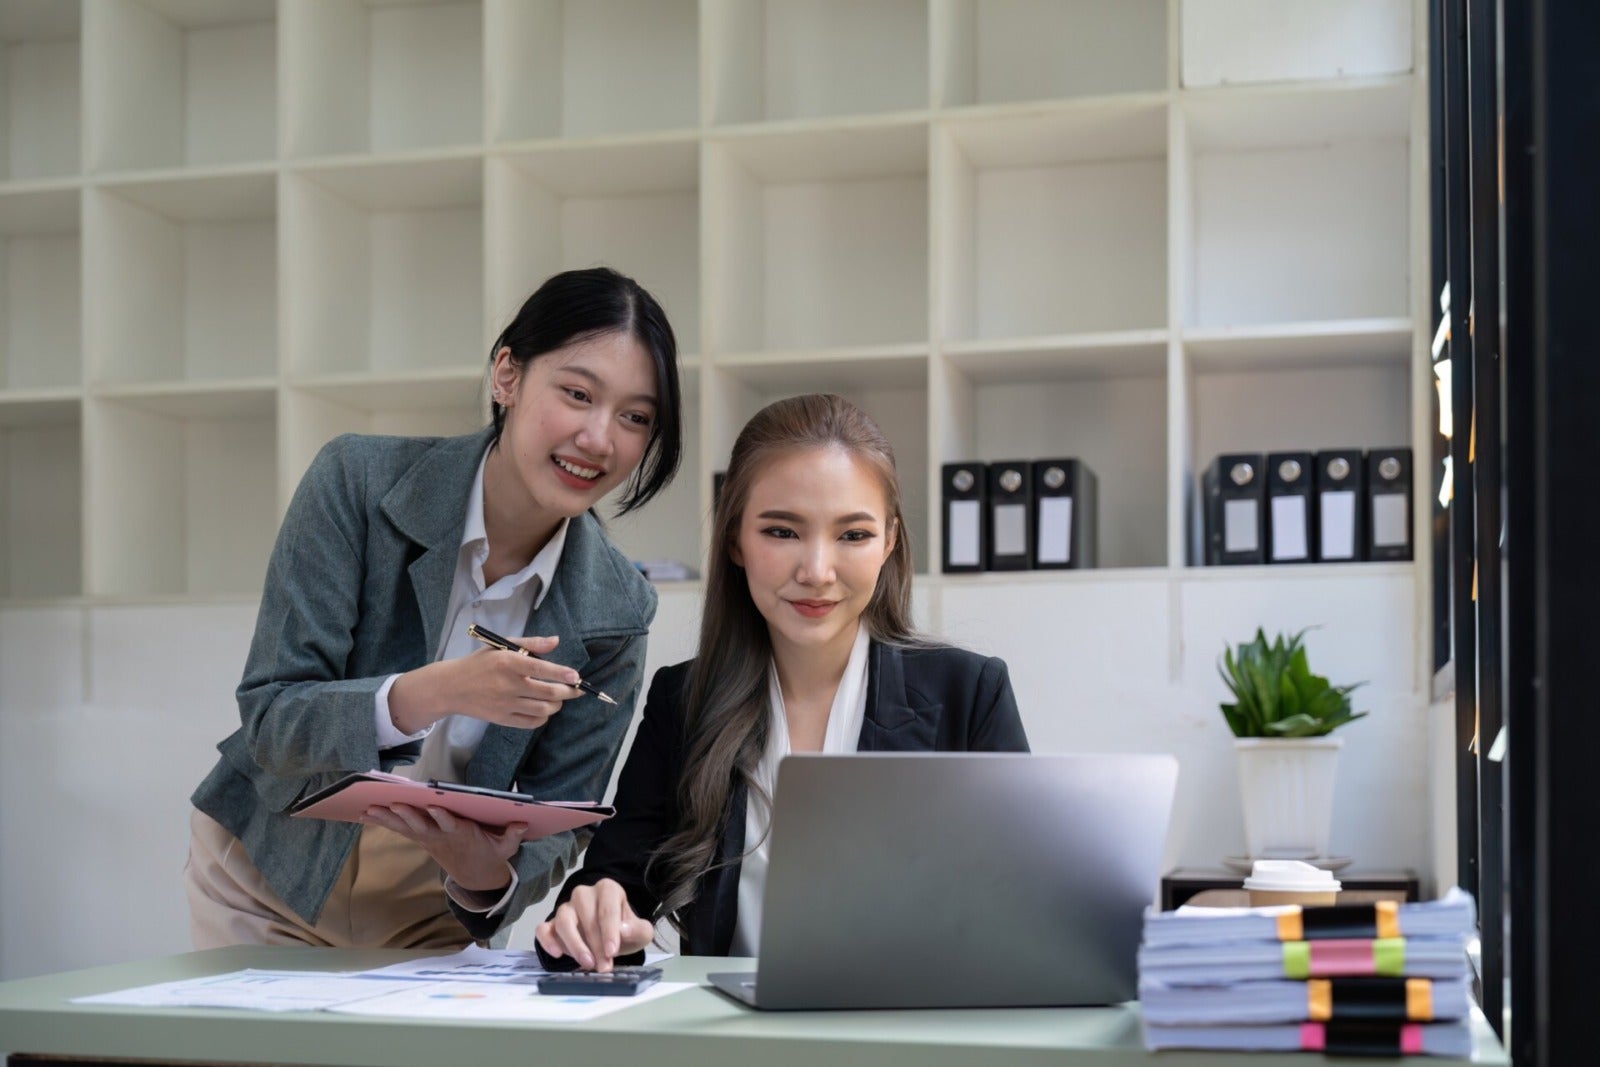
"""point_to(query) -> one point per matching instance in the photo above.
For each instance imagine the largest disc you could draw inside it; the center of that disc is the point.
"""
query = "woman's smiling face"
(577, 420)
(812, 539)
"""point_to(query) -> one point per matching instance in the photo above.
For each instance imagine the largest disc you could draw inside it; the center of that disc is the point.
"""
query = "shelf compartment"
(1115, 424)
(1124, 354)
(174, 84)
(385, 267)
(821, 239)
(439, 403)
(40, 256)
(41, 496)
(1305, 345)
(181, 491)
(632, 207)
(1313, 408)
(782, 373)
(772, 60)
(897, 401)
(1019, 198)
(381, 76)
(1300, 204)
(590, 68)
(40, 98)
(1003, 51)
(1288, 42)
(1365, 406)
(183, 278)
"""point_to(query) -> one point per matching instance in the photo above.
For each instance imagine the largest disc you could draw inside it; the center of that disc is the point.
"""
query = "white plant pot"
(1286, 785)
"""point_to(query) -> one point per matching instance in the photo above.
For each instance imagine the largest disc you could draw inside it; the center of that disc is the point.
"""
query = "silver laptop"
(946, 880)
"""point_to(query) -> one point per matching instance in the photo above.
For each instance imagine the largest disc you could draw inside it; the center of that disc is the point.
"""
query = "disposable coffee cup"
(1290, 882)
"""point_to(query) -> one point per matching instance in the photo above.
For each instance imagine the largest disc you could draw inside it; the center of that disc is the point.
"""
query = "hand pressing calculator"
(622, 982)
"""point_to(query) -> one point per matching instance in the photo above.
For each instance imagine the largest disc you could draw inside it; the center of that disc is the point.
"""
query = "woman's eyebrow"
(842, 520)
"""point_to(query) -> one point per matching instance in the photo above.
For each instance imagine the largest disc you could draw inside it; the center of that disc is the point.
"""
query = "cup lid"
(1290, 876)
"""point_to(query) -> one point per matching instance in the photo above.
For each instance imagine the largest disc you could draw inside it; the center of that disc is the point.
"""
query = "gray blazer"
(356, 590)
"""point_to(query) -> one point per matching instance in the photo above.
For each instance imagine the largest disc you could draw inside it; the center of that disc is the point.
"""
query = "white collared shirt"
(845, 719)
(449, 744)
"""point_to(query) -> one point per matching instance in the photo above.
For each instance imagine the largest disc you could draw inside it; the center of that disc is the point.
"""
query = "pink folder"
(348, 798)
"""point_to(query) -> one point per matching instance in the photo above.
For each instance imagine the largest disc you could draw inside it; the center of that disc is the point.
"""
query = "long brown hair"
(726, 711)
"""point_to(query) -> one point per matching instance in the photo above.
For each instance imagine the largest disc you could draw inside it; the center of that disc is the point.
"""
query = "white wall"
(109, 715)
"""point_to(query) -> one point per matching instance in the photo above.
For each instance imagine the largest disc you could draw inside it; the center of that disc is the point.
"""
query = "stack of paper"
(1374, 979)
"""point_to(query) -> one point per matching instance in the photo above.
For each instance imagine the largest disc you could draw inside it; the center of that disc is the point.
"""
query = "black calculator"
(622, 982)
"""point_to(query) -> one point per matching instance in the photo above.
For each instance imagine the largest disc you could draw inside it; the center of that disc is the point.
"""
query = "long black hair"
(577, 304)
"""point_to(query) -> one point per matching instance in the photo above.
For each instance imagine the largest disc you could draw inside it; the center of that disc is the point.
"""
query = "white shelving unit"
(1139, 233)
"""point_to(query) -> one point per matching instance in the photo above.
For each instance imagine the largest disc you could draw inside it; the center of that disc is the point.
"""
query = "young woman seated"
(806, 645)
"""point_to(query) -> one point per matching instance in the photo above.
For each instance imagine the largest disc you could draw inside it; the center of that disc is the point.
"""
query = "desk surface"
(695, 1027)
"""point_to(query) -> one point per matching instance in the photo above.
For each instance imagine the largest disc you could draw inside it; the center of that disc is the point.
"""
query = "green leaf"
(1275, 692)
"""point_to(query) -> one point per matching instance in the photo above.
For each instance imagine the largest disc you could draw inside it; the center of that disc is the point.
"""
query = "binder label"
(1239, 526)
(1339, 524)
(1289, 527)
(964, 520)
(1011, 529)
(1389, 520)
(1055, 529)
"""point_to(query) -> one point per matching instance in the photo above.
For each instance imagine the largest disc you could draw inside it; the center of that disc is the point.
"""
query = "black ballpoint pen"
(494, 640)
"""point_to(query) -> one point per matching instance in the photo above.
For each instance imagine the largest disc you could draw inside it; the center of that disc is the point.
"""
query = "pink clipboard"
(348, 799)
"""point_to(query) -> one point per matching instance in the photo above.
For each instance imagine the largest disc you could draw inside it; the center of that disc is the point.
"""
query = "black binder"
(1009, 511)
(1065, 529)
(1389, 484)
(1341, 505)
(1291, 508)
(1234, 492)
(966, 495)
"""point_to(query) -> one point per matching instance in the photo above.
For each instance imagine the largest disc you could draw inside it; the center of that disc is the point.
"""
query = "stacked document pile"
(1362, 979)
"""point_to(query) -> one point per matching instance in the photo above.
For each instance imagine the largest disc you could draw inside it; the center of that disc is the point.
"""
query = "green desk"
(694, 1028)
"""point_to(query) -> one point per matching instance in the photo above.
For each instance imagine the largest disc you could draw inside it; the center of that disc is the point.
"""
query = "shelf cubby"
(40, 98)
(40, 307)
(435, 403)
(41, 497)
(775, 60)
(170, 84)
(1302, 345)
(1114, 419)
(1304, 406)
(385, 267)
(182, 490)
(893, 391)
(381, 76)
(182, 274)
(1301, 409)
(1008, 51)
(821, 239)
(591, 68)
(1020, 198)
(1237, 42)
(634, 207)
(1300, 204)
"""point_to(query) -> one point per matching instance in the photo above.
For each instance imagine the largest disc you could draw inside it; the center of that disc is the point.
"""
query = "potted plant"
(1281, 717)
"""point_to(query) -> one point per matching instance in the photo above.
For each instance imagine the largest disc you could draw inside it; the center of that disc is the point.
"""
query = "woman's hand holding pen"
(595, 926)
(507, 688)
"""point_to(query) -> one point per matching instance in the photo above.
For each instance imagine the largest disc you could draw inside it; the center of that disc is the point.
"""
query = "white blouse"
(845, 717)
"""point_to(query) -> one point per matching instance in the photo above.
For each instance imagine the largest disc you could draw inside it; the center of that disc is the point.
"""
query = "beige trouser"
(389, 895)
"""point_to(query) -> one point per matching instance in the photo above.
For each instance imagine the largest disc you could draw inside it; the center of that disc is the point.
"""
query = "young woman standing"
(361, 659)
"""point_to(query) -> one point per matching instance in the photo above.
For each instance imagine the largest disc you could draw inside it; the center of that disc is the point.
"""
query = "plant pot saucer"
(1245, 864)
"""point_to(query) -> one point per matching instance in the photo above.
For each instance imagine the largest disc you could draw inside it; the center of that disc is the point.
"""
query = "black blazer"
(935, 699)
